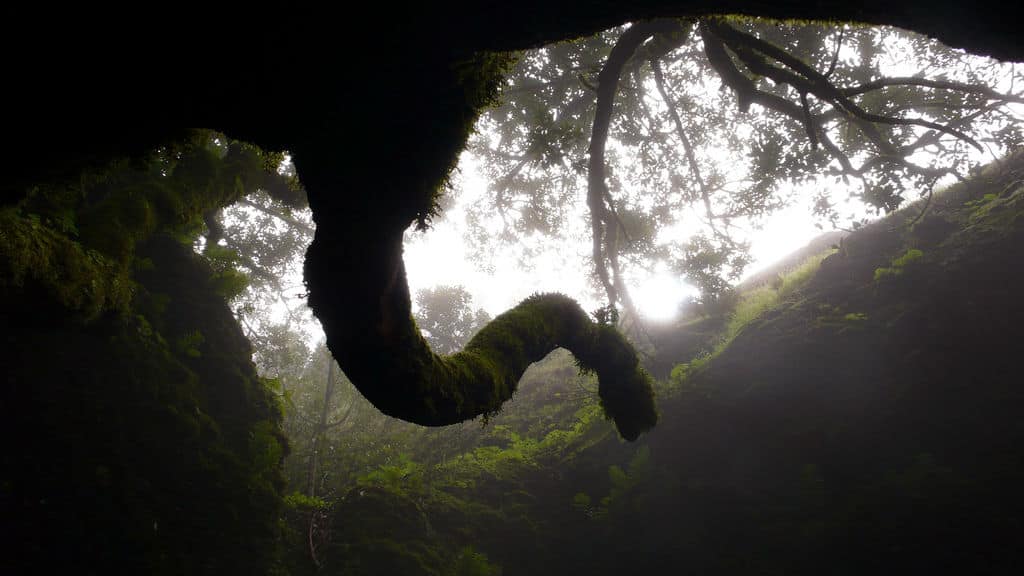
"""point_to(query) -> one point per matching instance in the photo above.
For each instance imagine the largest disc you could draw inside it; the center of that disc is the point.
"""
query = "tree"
(447, 316)
(257, 242)
(642, 122)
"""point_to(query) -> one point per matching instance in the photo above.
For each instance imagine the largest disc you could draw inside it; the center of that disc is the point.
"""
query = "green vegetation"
(898, 265)
(81, 280)
(128, 361)
(423, 387)
(472, 563)
(142, 436)
(749, 307)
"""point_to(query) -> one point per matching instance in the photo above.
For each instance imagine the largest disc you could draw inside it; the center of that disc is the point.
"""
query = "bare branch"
(809, 121)
(835, 54)
(691, 158)
(597, 188)
(929, 83)
(286, 218)
(749, 48)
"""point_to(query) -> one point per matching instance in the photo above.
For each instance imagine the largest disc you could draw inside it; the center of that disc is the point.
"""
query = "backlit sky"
(442, 254)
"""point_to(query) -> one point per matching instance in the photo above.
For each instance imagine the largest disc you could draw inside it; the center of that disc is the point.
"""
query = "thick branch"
(810, 80)
(383, 353)
(597, 189)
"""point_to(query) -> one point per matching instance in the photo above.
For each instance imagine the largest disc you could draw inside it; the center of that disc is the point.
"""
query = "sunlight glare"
(660, 296)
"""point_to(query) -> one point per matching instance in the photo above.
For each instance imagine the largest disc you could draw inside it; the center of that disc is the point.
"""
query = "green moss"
(154, 392)
(469, 562)
(411, 382)
(34, 256)
(78, 243)
(898, 265)
(478, 79)
(749, 307)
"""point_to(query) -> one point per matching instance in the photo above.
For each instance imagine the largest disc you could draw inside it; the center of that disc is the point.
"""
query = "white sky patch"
(659, 295)
(441, 255)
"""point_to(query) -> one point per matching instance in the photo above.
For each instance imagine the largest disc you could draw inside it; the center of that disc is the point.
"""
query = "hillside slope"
(871, 420)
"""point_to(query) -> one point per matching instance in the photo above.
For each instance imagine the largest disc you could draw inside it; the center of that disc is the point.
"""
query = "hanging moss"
(470, 85)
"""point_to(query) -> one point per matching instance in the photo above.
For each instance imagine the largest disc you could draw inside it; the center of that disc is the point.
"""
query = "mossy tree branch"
(377, 343)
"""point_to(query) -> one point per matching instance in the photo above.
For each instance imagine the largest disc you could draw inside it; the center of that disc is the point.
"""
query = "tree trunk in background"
(318, 438)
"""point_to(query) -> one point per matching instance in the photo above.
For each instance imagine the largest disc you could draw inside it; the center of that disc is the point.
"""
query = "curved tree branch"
(388, 360)
(804, 78)
(597, 189)
(748, 93)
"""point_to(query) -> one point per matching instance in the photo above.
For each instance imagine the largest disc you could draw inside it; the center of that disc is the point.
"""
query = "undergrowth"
(751, 306)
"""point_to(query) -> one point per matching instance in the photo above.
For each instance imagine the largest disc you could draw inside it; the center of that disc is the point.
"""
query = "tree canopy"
(708, 125)
(447, 316)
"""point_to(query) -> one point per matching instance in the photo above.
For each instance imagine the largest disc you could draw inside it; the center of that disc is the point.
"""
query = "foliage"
(152, 400)
(33, 255)
(159, 415)
(820, 108)
(446, 315)
(257, 245)
(400, 477)
(832, 445)
(472, 563)
(299, 500)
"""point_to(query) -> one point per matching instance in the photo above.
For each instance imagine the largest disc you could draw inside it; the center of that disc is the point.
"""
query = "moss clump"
(77, 243)
(36, 257)
(898, 265)
(161, 447)
(405, 379)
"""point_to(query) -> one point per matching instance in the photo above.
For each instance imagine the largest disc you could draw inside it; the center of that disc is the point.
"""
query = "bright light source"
(660, 296)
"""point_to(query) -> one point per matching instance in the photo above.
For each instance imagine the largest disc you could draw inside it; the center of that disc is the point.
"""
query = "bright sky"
(442, 256)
